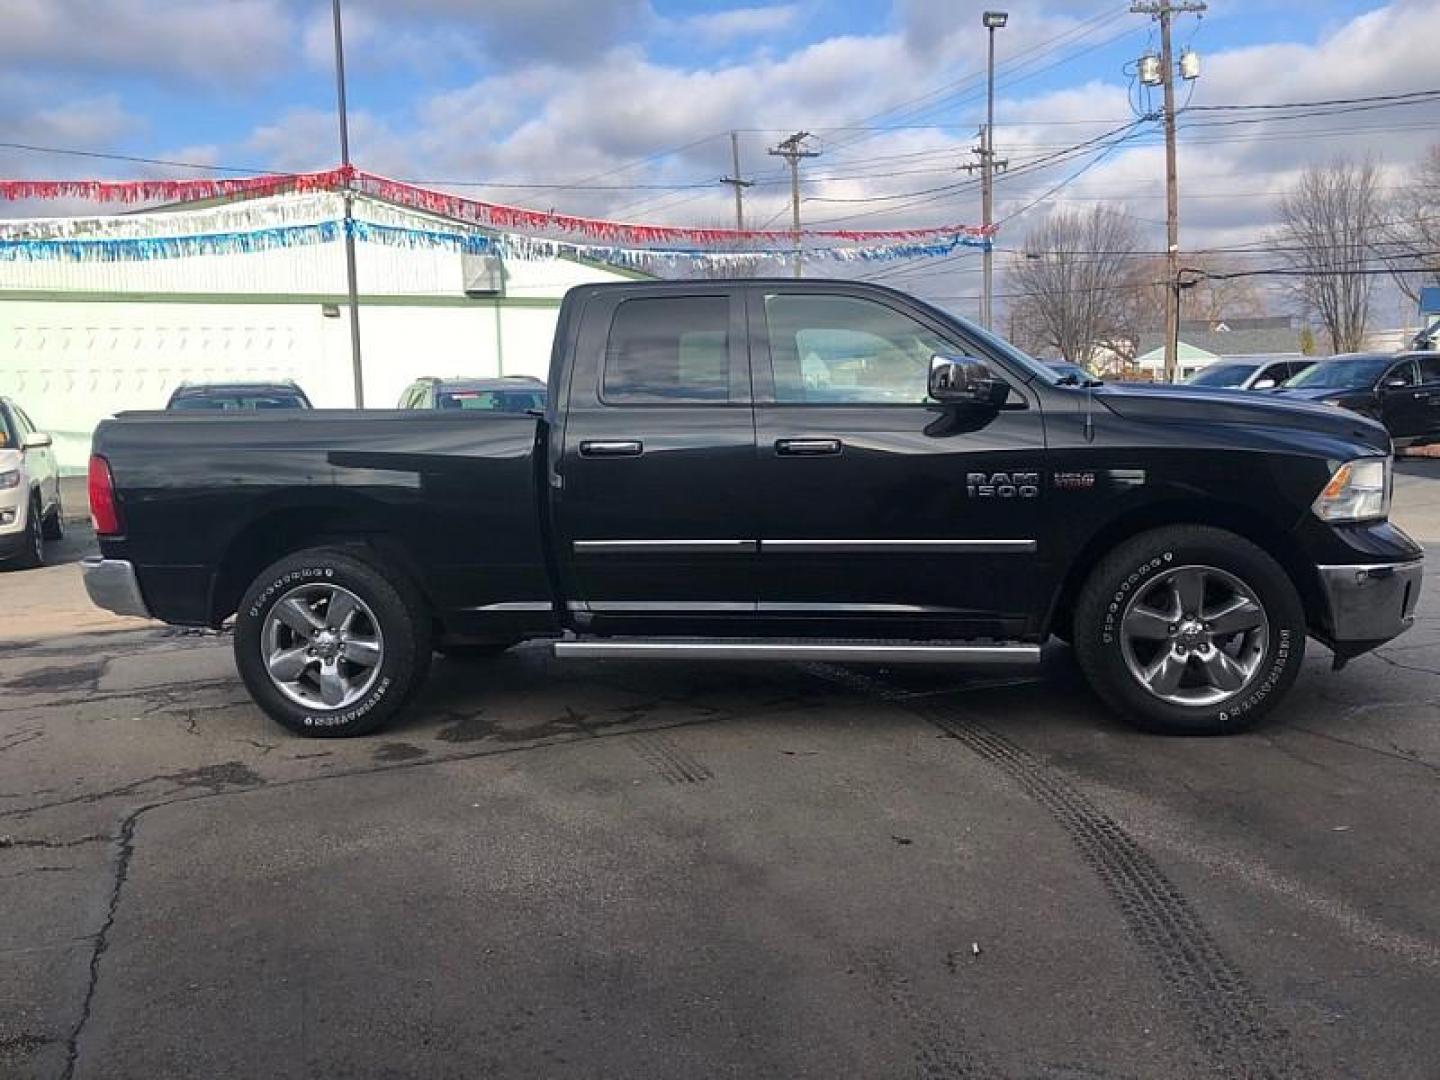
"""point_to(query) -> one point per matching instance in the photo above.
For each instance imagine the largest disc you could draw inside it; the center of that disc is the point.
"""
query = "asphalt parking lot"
(613, 869)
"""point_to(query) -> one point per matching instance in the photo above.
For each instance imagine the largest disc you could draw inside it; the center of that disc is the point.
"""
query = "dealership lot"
(621, 870)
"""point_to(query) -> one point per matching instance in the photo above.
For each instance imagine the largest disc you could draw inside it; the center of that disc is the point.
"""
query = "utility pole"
(792, 151)
(1164, 11)
(992, 21)
(354, 291)
(736, 181)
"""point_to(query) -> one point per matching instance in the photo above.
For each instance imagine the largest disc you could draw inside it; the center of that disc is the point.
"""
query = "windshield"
(1342, 373)
(510, 401)
(239, 402)
(8, 441)
(1221, 375)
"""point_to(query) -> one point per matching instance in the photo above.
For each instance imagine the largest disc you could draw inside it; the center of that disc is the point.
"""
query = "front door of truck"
(1401, 408)
(655, 498)
(883, 511)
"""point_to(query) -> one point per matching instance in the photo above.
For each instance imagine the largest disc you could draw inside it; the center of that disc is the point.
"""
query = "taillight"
(103, 510)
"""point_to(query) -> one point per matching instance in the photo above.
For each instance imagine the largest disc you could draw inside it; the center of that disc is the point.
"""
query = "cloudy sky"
(623, 107)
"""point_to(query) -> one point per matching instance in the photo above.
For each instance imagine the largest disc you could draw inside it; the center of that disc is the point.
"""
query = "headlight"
(1358, 491)
(9, 479)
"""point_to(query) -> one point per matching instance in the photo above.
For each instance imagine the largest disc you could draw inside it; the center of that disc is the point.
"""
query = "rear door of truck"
(653, 493)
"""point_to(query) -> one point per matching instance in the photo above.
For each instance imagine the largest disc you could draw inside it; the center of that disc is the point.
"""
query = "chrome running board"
(857, 652)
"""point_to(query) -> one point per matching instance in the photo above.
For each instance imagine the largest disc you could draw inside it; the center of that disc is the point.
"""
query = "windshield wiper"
(1075, 380)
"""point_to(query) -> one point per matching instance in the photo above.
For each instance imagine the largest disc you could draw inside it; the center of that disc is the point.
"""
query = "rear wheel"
(1190, 630)
(329, 647)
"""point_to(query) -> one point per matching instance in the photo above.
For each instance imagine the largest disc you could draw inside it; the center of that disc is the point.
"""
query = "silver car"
(30, 510)
(1249, 372)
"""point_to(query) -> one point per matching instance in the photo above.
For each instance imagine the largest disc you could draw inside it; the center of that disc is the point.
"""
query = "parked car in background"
(1070, 374)
(238, 397)
(30, 510)
(1249, 372)
(1401, 391)
(505, 393)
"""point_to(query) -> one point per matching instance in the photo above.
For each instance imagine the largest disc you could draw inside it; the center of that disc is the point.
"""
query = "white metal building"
(82, 340)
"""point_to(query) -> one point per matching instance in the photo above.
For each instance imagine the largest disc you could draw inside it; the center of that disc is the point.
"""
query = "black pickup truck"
(748, 470)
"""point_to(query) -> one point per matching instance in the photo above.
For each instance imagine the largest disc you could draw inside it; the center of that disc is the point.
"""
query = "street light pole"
(992, 20)
(356, 369)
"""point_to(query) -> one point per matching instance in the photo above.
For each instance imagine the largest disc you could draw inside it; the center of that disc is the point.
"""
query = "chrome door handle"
(612, 448)
(807, 447)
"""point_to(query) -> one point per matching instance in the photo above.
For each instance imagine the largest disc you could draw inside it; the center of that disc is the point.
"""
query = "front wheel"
(329, 647)
(32, 550)
(1190, 630)
(54, 525)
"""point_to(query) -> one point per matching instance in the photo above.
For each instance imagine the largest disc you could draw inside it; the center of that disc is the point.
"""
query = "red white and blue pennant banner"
(471, 211)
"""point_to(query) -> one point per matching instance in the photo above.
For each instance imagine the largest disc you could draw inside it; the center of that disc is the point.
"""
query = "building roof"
(1233, 340)
(1188, 354)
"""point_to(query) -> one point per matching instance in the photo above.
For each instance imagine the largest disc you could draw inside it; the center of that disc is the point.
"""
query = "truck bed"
(455, 493)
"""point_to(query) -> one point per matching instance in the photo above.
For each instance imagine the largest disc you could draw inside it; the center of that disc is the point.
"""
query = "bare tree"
(1071, 281)
(1328, 226)
(1209, 299)
(1410, 233)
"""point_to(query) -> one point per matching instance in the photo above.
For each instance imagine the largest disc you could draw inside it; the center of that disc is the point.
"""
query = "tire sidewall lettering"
(287, 581)
(1117, 601)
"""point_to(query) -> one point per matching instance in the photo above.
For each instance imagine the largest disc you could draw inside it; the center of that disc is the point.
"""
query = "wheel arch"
(1232, 517)
(356, 527)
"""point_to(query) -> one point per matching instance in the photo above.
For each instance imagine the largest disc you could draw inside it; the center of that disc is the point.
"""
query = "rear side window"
(669, 350)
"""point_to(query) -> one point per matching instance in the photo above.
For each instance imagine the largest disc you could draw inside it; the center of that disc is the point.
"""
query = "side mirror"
(1263, 384)
(36, 440)
(964, 380)
(1394, 382)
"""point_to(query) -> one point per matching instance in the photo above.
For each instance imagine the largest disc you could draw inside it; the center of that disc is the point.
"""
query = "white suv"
(30, 511)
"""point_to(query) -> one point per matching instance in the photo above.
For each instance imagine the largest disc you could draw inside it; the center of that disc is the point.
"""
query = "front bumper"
(1368, 604)
(113, 586)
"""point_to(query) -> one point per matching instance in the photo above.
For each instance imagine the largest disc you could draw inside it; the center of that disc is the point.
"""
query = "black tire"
(54, 525)
(32, 552)
(1154, 560)
(401, 624)
(474, 650)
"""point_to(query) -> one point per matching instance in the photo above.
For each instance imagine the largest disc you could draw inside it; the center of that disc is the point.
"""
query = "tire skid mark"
(1230, 1022)
(674, 764)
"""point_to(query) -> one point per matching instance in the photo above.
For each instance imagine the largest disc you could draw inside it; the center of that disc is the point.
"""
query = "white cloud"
(196, 39)
(520, 31)
(718, 27)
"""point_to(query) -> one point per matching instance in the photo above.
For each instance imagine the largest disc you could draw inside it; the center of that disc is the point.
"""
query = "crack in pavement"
(130, 823)
(52, 845)
(102, 940)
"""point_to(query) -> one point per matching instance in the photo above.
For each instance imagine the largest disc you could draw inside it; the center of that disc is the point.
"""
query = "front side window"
(669, 350)
(1402, 372)
(1430, 369)
(848, 350)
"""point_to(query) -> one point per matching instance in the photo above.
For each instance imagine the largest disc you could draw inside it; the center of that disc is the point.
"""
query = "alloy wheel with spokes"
(322, 646)
(1194, 635)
